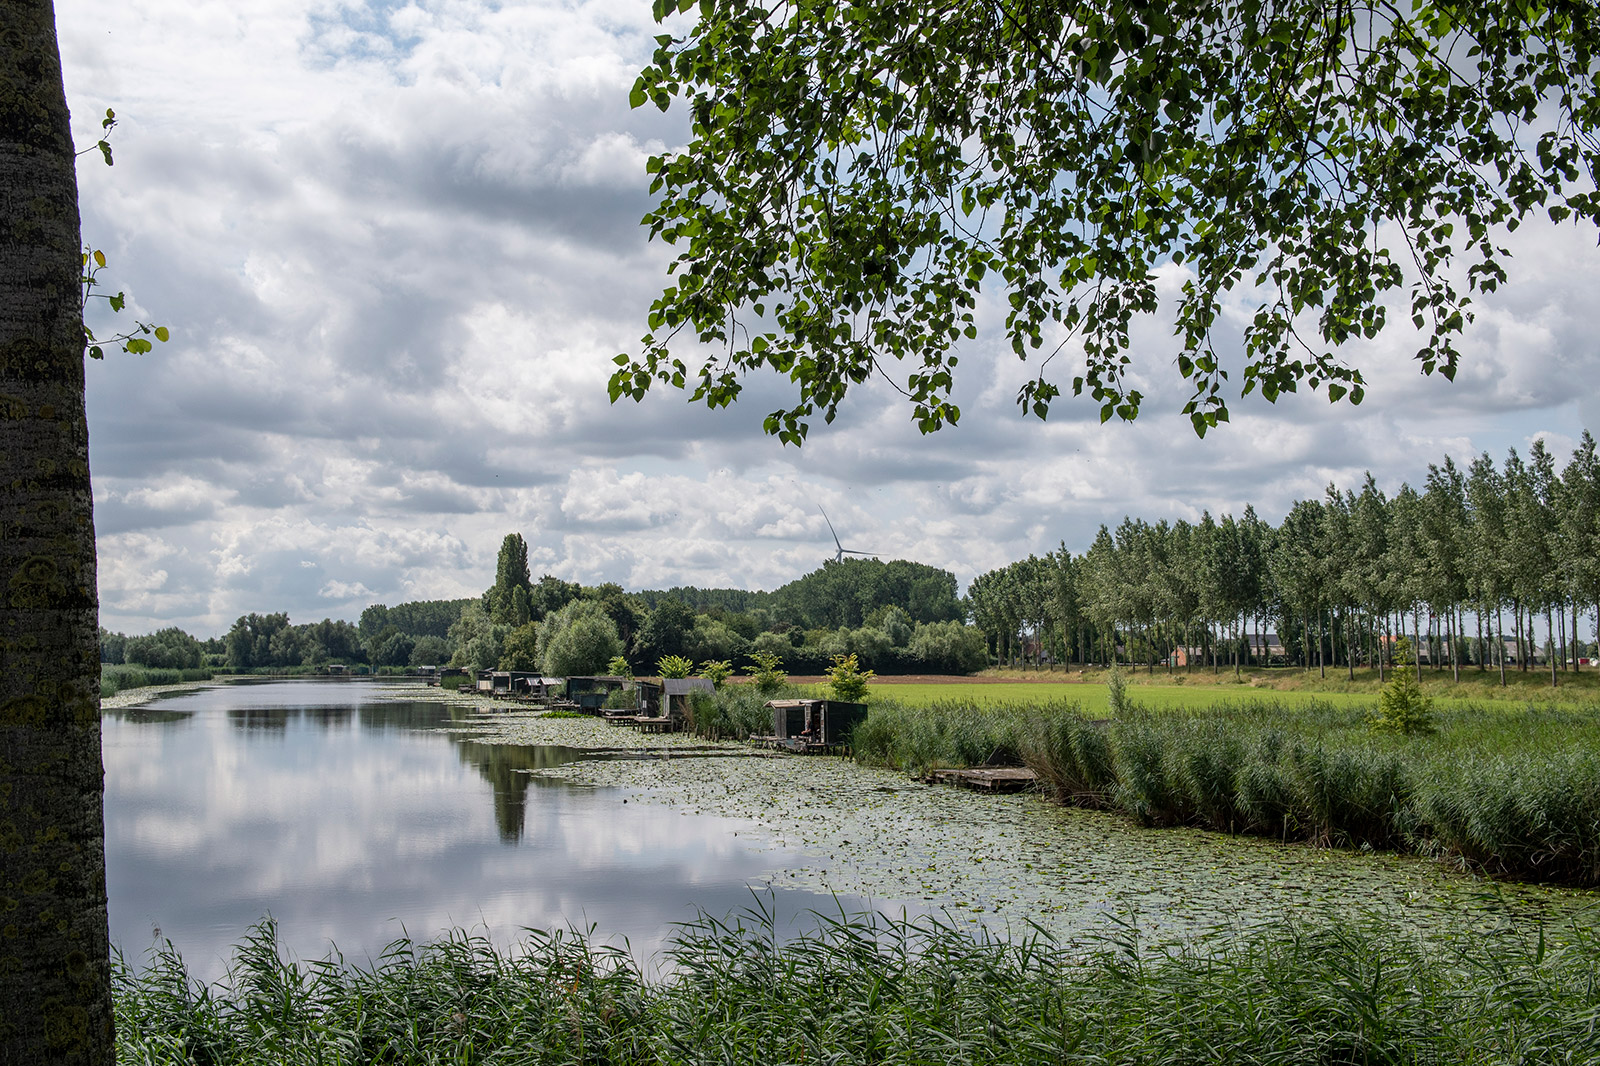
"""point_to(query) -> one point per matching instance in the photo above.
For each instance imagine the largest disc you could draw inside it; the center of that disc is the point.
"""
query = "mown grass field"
(1091, 698)
(1200, 688)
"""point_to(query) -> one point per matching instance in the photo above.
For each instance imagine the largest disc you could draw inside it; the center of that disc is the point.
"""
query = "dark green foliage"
(521, 649)
(250, 641)
(418, 618)
(664, 633)
(846, 593)
(170, 649)
(508, 598)
(112, 646)
(875, 990)
(430, 651)
(551, 594)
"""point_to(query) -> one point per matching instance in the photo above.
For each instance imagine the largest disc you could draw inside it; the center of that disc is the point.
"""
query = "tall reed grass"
(881, 991)
(114, 678)
(1511, 792)
(734, 712)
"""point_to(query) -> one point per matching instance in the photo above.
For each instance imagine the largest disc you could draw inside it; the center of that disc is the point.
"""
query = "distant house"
(1275, 650)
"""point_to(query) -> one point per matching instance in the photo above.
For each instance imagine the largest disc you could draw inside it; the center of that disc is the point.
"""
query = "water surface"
(351, 815)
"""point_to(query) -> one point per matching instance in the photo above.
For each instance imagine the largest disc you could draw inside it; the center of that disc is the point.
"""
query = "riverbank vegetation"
(877, 990)
(115, 679)
(1503, 790)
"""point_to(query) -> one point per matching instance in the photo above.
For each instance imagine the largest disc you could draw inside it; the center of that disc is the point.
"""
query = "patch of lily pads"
(1015, 862)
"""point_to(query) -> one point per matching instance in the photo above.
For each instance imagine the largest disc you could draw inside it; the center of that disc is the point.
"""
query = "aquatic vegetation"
(870, 990)
(1511, 792)
(119, 677)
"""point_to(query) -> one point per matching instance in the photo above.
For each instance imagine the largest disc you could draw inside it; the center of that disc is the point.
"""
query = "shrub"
(716, 671)
(1402, 707)
(847, 681)
(768, 674)
(675, 667)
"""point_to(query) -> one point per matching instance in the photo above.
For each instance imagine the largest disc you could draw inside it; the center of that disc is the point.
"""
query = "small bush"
(1402, 707)
(716, 671)
(768, 674)
(674, 667)
(847, 681)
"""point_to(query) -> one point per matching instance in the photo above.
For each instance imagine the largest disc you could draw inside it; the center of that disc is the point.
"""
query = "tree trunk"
(1416, 635)
(55, 970)
(1500, 645)
(1482, 644)
(1383, 645)
(1550, 635)
(1454, 616)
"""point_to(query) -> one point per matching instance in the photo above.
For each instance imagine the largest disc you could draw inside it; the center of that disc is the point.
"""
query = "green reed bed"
(115, 678)
(735, 712)
(879, 991)
(1511, 792)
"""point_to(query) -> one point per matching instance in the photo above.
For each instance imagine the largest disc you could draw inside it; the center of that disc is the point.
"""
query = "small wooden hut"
(802, 725)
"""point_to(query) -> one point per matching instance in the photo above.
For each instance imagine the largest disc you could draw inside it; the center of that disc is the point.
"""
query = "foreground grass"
(1508, 791)
(884, 992)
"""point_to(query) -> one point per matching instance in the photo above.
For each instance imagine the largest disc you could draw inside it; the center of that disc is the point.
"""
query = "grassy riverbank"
(120, 678)
(855, 992)
(1506, 790)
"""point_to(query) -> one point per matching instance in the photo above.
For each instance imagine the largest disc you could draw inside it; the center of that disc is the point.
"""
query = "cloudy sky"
(397, 245)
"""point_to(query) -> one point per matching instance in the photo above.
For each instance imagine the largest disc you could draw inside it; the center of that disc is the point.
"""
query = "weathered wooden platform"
(986, 779)
(797, 746)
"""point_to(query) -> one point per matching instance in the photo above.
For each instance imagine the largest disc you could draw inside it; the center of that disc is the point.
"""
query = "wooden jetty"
(986, 778)
(799, 746)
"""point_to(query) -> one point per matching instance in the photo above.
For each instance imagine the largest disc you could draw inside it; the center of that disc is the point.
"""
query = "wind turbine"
(839, 555)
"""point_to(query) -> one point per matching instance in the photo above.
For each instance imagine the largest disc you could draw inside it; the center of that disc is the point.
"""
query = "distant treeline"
(898, 616)
(1469, 567)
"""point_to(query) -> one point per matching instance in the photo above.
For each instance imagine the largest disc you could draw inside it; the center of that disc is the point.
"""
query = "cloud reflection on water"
(355, 822)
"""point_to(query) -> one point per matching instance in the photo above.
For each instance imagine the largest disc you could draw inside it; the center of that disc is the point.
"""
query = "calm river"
(351, 815)
(356, 811)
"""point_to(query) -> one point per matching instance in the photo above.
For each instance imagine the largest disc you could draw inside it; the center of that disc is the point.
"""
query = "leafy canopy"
(858, 170)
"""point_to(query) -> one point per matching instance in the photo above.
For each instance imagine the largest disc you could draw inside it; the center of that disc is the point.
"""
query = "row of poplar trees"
(1472, 567)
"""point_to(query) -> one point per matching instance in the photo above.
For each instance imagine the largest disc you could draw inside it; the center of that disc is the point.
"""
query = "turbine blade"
(825, 518)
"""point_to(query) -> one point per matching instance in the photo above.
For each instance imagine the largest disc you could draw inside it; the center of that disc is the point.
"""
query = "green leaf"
(162, 334)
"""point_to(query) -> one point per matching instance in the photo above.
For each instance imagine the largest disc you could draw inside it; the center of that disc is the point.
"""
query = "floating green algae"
(1018, 861)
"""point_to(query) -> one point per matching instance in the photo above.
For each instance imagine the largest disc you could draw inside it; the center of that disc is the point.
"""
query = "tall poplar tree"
(55, 990)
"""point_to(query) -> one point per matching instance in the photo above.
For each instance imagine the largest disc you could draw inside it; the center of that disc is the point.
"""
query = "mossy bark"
(55, 994)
